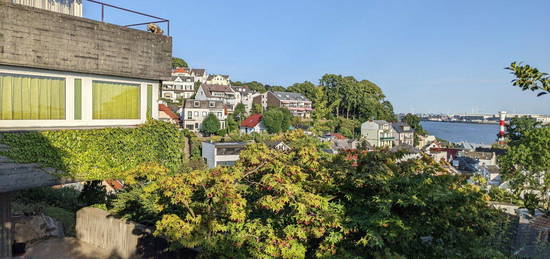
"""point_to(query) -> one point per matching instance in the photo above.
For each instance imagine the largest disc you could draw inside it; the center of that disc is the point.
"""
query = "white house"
(199, 75)
(223, 93)
(221, 153)
(218, 80)
(378, 133)
(195, 111)
(252, 124)
(245, 96)
(178, 88)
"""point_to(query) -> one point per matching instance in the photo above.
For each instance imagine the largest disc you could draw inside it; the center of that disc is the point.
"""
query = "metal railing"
(158, 19)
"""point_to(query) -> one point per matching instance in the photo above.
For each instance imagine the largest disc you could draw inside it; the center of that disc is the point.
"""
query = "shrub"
(99, 154)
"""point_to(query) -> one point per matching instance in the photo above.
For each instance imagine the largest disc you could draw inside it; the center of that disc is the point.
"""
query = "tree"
(530, 78)
(277, 120)
(308, 89)
(254, 85)
(414, 121)
(257, 108)
(178, 62)
(240, 112)
(93, 193)
(210, 125)
(526, 165)
(518, 126)
(275, 88)
(412, 209)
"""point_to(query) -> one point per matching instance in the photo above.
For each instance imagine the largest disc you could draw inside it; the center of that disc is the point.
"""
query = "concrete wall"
(121, 238)
(36, 38)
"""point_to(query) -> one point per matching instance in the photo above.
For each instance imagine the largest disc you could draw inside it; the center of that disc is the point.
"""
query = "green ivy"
(99, 154)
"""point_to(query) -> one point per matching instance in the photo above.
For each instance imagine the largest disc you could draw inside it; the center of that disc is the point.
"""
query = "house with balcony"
(195, 111)
(199, 75)
(72, 72)
(403, 134)
(378, 133)
(179, 87)
(218, 80)
(296, 103)
(221, 153)
(222, 93)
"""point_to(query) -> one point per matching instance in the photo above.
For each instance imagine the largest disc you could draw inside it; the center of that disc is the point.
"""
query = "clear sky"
(427, 56)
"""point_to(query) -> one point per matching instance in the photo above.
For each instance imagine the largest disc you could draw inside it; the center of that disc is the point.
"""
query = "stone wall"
(36, 38)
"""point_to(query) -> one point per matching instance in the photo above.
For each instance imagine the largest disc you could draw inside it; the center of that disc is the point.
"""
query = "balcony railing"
(156, 19)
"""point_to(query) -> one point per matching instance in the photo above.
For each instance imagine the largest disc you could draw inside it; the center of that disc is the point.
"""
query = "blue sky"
(427, 56)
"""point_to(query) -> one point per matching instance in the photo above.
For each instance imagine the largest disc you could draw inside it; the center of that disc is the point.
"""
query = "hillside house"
(252, 124)
(195, 111)
(221, 153)
(166, 114)
(199, 75)
(179, 87)
(378, 133)
(403, 134)
(222, 93)
(218, 80)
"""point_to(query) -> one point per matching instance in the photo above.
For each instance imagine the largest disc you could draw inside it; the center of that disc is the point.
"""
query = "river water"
(458, 132)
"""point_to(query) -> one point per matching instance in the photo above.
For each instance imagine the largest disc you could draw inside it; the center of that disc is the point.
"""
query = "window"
(196, 114)
(189, 115)
(204, 114)
(115, 101)
(196, 104)
(190, 127)
(31, 97)
(211, 104)
(219, 115)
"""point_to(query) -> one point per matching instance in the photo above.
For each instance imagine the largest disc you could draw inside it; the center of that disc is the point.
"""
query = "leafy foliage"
(93, 193)
(277, 120)
(414, 121)
(100, 153)
(211, 125)
(530, 78)
(527, 166)
(257, 109)
(240, 112)
(178, 62)
(518, 126)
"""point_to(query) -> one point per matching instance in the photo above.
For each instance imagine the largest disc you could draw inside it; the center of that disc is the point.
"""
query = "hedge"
(99, 154)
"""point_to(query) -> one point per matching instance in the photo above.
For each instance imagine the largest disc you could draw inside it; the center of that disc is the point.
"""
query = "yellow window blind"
(115, 101)
(31, 97)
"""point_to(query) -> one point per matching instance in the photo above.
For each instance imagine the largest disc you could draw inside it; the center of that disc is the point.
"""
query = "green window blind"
(115, 101)
(149, 102)
(78, 99)
(31, 97)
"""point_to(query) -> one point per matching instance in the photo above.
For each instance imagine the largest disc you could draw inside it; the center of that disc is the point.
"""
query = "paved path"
(67, 248)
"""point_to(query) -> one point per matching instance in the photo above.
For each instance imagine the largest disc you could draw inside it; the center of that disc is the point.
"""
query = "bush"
(100, 153)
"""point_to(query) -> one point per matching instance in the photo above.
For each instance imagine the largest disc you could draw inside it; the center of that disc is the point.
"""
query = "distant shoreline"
(465, 122)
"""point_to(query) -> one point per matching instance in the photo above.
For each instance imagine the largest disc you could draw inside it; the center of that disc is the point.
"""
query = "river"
(458, 132)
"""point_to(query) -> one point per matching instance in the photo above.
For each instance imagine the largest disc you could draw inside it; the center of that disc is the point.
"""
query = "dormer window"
(211, 104)
(196, 104)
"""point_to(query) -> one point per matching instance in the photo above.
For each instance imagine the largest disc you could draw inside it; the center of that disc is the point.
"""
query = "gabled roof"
(180, 70)
(168, 111)
(338, 136)
(203, 104)
(252, 121)
(198, 71)
(212, 76)
(479, 155)
(289, 96)
(208, 89)
(399, 127)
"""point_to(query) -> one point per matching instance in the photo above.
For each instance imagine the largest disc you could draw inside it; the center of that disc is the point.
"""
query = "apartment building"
(222, 93)
(296, 103)
(179, 87)
(403, 134)
(218, 80)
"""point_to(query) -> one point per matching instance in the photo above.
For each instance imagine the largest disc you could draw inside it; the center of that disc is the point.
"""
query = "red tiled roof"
(180, 70)
(338, 136)
(252, 121)
(115, 184)
(168, 111)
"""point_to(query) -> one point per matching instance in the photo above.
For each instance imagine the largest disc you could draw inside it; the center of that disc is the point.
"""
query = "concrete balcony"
(37, 38)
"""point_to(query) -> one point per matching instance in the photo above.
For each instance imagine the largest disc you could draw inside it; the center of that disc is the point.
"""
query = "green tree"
(210, 125)
(308, 89)
(257, 108)
(526, 165)
(254, 85)
(414, 121)
(277, 120)
(178, 62)
(240, 112)
(518, 126)
(530, 78)
(411, 210)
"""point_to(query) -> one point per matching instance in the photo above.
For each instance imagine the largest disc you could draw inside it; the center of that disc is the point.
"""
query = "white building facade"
(221, 153)
(195, 111)
(378, 133)
(178, 88)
